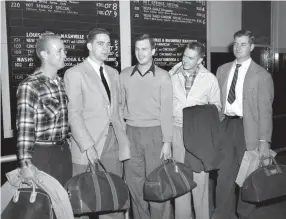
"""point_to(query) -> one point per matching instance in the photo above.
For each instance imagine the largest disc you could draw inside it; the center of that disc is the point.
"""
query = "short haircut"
(43, 40)
(146, 37)
(197, 46)
(92, 34)
(248, 33)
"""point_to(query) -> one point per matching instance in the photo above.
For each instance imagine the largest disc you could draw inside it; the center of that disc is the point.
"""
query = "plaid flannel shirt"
(41, 113)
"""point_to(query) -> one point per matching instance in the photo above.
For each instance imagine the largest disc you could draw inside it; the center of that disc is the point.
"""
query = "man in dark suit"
(247, 94)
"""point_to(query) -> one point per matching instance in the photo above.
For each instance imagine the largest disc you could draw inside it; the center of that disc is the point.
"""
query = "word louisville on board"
(72, 20)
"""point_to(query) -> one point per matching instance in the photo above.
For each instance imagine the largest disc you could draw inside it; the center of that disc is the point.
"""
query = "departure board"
(72, 20)
(172, 24)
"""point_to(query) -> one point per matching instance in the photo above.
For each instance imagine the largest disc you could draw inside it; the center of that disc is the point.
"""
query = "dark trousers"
(54, 160)
(233, 146)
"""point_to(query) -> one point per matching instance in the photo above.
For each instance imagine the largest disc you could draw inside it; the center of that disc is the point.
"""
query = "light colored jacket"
(205, 90)
(258, 95)
(90, 111)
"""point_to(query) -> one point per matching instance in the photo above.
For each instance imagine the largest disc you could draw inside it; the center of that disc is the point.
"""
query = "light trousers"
(183, 207)
(146, 144)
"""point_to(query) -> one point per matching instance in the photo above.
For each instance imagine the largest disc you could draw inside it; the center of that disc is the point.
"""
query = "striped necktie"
(231, 93)
(189, 81)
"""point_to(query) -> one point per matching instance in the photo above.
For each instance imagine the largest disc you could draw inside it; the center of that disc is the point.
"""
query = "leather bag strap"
(169, 177)
(94, 169)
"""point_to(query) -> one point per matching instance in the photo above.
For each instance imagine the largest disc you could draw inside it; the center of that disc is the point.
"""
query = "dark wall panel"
(256, 17)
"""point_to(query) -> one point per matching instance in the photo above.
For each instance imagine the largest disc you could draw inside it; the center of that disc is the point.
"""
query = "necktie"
(189, 80)
(104, 82)
(231, 93)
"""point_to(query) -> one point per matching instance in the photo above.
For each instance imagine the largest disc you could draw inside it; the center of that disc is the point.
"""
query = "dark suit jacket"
(201, 131)
(258, 94)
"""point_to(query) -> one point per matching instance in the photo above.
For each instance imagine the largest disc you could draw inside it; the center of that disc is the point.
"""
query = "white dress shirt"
(96, 67)
(235, 109)
(205, 90)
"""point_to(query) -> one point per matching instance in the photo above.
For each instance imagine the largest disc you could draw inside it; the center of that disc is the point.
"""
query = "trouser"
(146, 144)
(54, 160)
(200, 194)
(233, 145)
(109, 159)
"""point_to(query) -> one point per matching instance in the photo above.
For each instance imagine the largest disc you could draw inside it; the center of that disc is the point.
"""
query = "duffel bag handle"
(33, 194)
(270, 169)
(171, 160)
(95, 167)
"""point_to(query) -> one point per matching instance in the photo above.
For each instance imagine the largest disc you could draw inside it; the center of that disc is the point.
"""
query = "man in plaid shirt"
(42, 119)
(193, 85)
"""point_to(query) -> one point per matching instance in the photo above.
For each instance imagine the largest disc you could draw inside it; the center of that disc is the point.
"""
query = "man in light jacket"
(97, 129)
(192, 85)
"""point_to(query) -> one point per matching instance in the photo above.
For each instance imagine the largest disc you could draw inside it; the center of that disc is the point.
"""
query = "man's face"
(191, 59)
(99, 48)
(143, 51)
(55, 54)
(242, 48)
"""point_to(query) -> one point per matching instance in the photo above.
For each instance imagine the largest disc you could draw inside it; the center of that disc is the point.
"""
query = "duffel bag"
(169, 180)
(29, 203)
(97, 191)
(265, 183)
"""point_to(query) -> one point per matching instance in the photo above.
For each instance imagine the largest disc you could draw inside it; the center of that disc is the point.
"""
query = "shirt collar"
(150, 70)
(245, 64)
(94, 64)
(182, 71)
(43, 78)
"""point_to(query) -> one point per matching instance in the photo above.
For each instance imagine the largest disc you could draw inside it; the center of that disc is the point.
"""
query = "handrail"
(279, 116)
(8, 158)
(13, 157)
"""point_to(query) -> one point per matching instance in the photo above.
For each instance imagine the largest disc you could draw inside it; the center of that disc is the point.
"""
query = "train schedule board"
(172, 24)
(72, 20)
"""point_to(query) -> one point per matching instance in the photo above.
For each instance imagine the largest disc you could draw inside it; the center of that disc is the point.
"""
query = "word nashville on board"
(172, 24)
(72, 20)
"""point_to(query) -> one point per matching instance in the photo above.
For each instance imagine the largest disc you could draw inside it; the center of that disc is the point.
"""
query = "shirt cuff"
(167, 139)
(25, 163)
(262, 140)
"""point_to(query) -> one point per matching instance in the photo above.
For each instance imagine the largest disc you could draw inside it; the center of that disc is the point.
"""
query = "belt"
(233, 117)
(51, 143)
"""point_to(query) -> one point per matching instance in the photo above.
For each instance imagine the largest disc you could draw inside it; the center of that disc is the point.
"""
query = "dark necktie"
(104, 82)
(231, 93)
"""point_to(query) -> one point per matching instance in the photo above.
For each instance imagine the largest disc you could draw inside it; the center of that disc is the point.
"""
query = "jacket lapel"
(247, 80)
(98, 83)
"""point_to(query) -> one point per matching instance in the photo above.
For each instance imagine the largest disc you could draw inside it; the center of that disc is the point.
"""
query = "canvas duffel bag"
(97, 191)
(169, 180)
